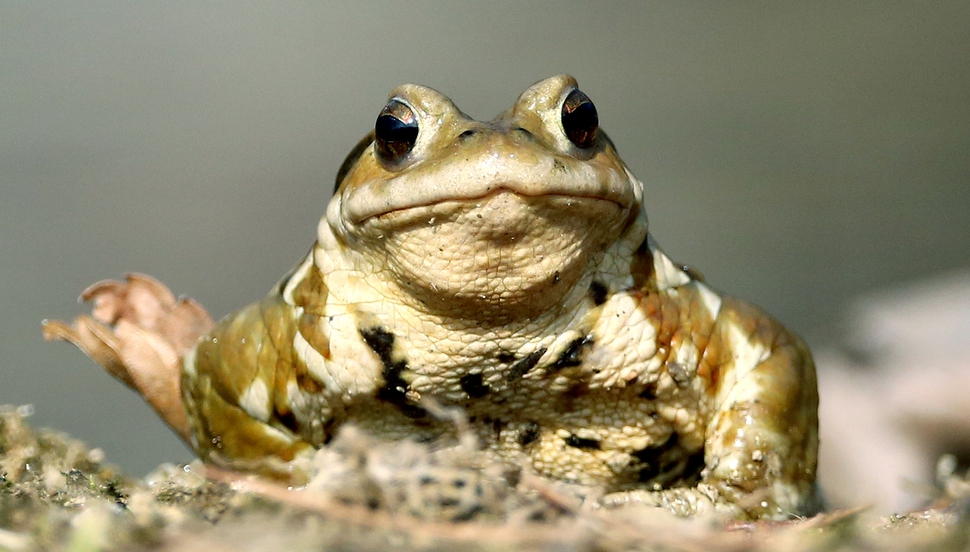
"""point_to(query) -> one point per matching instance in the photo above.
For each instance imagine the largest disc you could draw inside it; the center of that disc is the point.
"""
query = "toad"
(505, 268)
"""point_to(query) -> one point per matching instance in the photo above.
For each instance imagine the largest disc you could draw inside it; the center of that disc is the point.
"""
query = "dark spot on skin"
(577, 390)
(473, 385)
(395, 388)
(582, 443)
(506, 358)
(393, 391)
(529, 433)
(570, 356)
(522, 367)
(598, 292)
(556, 277)
(380, 341)
(558, 165)
(497, 426)
(649, 392)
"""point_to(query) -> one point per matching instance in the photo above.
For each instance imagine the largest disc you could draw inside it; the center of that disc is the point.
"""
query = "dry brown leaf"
(138, 331)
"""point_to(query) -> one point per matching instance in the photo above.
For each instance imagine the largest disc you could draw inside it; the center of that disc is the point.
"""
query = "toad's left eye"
(395, 131)
(579, 119)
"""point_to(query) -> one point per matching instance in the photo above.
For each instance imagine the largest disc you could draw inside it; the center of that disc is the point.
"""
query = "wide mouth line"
(491, 193)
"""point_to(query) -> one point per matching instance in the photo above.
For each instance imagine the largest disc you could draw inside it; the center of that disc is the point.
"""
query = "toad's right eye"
(395, 131)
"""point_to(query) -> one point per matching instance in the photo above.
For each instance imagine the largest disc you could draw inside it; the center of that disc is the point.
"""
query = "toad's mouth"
(480, 177)
(502, 198)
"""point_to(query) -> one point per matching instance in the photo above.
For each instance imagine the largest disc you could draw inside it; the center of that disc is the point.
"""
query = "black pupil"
(392, 129)
(579, 119)
(395, 131)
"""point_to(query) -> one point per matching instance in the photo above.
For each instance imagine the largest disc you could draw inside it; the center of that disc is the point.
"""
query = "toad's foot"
(138, 332)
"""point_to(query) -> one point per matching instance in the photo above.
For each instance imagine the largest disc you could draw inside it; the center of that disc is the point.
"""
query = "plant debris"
(367, 494)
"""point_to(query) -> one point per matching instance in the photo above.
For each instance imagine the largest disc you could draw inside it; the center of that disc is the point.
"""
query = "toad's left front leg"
(761, 438)
(761, 443)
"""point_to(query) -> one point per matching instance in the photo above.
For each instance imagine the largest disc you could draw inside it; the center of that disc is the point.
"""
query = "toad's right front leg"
(251, 402)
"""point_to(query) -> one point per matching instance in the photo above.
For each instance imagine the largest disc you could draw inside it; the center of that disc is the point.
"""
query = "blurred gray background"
(797, 154)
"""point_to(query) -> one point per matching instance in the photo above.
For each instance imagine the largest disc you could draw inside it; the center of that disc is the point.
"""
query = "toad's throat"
(505, 252)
